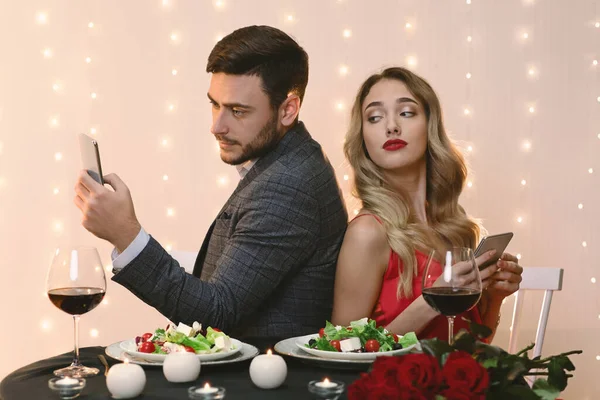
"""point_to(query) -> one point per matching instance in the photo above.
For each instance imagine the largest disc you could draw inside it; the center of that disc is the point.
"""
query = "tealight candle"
(126, 380)
(181, 367)
(268, 371)
(326, 389)
(326, 383)
(67, 381)
(206, 392)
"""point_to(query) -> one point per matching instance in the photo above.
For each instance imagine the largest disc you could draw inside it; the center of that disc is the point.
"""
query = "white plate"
(130, 348)
(245, 352)
(336, 355)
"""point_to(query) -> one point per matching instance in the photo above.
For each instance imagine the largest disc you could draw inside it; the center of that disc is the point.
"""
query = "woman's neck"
(413, 182)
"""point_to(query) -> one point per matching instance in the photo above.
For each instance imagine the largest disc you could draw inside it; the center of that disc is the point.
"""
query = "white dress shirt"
(119, 261)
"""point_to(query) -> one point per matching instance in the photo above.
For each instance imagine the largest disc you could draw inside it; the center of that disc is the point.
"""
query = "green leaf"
(545, 390)
(481, 331)
(436, 347)
(439, 397)
(329, 330)
(196, 343)
(408, 339)
(519, 392)
(490, 363)
(464, 341)
(557, 377)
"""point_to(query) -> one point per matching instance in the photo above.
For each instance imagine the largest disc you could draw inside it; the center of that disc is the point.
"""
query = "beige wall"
(132, 58)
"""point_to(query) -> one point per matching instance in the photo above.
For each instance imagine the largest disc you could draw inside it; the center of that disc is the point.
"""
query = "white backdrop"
(518, 81)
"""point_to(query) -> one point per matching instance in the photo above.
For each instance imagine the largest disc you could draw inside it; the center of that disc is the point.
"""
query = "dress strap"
(373, 215)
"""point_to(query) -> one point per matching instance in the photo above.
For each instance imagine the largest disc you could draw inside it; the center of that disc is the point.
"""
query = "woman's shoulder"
(366, 230)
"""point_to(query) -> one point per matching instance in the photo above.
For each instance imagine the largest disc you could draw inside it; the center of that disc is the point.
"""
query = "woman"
(409, 176)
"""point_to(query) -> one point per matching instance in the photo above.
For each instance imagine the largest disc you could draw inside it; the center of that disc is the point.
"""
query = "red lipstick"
(395, 144)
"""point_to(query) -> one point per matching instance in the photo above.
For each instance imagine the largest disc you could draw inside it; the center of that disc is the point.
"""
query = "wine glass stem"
(450, 330)
(76, 341)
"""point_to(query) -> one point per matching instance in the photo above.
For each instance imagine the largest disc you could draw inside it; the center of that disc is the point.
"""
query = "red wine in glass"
(451, 283)
(76, 285)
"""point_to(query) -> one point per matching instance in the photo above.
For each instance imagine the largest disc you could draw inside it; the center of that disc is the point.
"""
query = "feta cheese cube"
(223, 342)
(197, 327)
(338, 328)
(350, 344)
(185, 329)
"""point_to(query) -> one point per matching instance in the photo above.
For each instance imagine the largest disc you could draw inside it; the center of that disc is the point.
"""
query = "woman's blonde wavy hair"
(448, 224)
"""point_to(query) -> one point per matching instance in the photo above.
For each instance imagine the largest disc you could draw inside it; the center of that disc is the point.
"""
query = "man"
(267, 265)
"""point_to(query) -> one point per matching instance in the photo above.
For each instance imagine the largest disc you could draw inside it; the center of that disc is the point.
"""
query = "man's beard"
(264, 142)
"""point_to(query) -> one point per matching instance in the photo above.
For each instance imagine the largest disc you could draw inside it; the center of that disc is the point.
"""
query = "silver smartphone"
(497, 242)
(90, 157)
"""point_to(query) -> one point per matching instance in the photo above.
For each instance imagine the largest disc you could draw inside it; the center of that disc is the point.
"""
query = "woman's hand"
(506, 280)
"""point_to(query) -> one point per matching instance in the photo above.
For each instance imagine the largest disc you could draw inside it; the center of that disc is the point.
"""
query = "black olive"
(396, 346)
(312, 342)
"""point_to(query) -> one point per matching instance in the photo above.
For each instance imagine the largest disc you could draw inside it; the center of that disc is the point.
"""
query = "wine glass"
(451, 283)
(76, 284)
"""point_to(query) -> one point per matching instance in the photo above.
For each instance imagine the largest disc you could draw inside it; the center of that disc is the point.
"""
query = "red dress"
(388, 306)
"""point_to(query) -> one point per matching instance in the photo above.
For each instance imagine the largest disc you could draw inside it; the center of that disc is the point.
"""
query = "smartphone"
(90, 157)
(497, 242)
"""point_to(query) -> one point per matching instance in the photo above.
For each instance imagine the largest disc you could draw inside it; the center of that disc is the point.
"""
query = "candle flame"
(206, 385)
(126, 361)
(269, 352)
(325, 380)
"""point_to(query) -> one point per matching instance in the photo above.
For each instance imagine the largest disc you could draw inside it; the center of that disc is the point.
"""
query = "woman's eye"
(374, 118)
(407, 114)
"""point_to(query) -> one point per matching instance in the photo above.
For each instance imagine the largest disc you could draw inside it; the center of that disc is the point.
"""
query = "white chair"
(186, 259)
(535, 278)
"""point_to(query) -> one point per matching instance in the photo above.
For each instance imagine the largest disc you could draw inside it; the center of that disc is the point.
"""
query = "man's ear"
(289, 109)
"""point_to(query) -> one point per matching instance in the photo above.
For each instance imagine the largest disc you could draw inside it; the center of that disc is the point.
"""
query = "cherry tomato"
(336, 345)
(349, 329)
(189, 349)
(146, 337)
(216, 329)
(372, 346)
(394, 336)
(321, 332)
(147, 347)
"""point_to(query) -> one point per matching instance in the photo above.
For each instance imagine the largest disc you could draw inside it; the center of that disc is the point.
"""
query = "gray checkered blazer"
(267, 264)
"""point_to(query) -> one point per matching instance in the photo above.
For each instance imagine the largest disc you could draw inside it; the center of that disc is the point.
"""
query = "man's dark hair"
(267, 52)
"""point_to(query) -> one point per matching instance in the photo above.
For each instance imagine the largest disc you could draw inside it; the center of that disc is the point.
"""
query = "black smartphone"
(497, 242)
(90, 157)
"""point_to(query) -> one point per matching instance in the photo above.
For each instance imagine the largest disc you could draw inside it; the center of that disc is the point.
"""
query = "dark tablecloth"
(31, 381)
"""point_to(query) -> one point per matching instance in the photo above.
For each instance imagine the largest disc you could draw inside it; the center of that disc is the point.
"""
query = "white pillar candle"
(125, 381)
(67, 381)
(181, 367)
(206, 389)
(268, 371)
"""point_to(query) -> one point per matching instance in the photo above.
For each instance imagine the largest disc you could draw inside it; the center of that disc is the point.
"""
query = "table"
(31, 381)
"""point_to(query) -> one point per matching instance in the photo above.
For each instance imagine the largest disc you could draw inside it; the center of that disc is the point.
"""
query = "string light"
(169, 247)
(174, 37)
(519, 219)
(88, 60)
(93, 95)
(93, 131)
(411, 60)
(46, 325)
(518, 256)
(54, 121)
(598, 358)
(468, 2)
(171, 107)
(468, 75)
(91, 25)
(347, 33)
(531, 109)
(174, 72)
(355, 212)
(55, 190)
(57, 226)
(170, 212)
(222, 181)
(523, 182)
(470, 149)
(105, 301)
(165, 177)
(47, 52)
(525, 35)
(593, 280)
(597, 24)
(469, 184)
(527, 145)
(595, 62)
(339, 106)
(584, 244)
(346, 177)
(108, 267)
(408, 26)
(165, 142)
(290, 18)
(166, 3)
(591, 170)
(580, 206)
(219, 37)
(56, 87)
(343, 70)
(469, 39)
(94, 333)
(42, 18)
(219, 4)
(466, 111)
(58, 156)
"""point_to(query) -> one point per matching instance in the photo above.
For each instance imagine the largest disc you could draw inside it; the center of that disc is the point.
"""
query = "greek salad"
(362, 336)
(182, 338)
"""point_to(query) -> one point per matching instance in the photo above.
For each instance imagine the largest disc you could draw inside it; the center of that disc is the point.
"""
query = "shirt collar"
(245, 167)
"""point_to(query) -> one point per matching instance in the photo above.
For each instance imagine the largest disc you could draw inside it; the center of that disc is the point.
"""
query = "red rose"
(463, 375)
(420, 371)
(458, 394)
